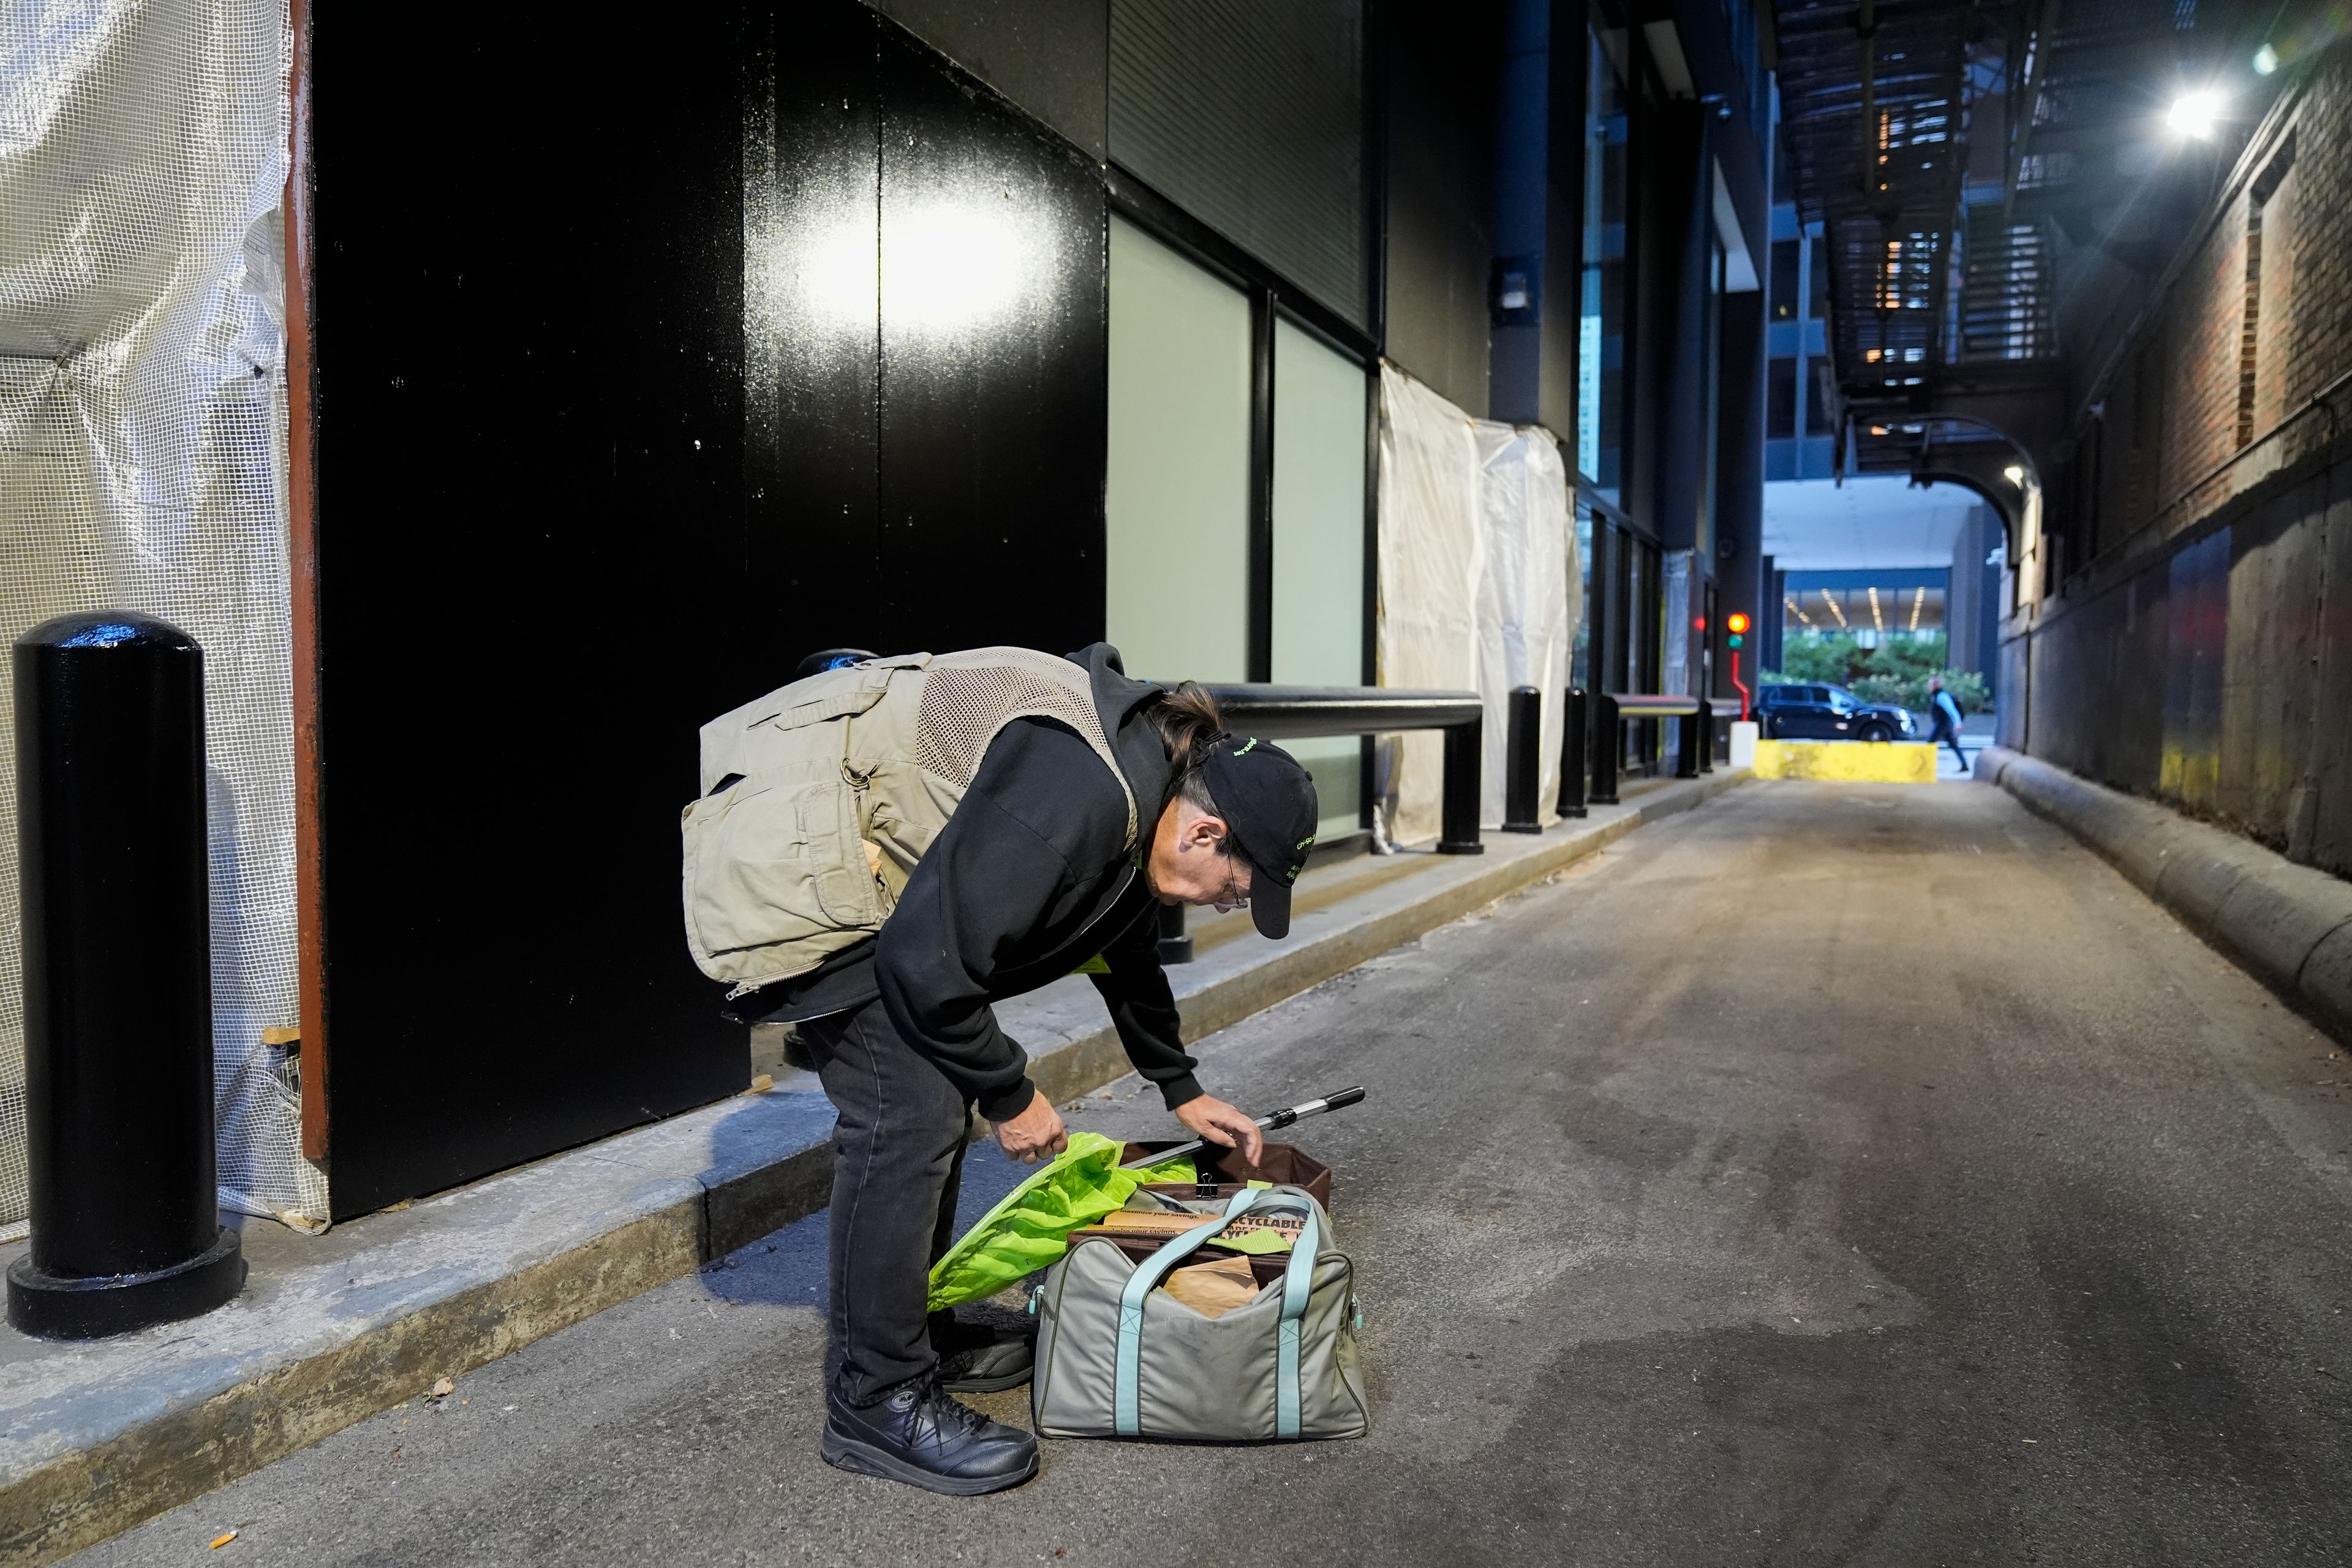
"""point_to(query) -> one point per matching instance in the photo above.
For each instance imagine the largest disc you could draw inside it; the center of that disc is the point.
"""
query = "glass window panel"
(1176, 499)
(1600, 349)
(1817, 399)
(1784, 280)
(1780, 399)
(1622, 584)
(1919, 611)
(1818, 283)
(1318, 549)
(1644, 615)
(1710, 353)
(1581, 657)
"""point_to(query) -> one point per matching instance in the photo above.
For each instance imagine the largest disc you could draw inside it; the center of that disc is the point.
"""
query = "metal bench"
(1614, 708)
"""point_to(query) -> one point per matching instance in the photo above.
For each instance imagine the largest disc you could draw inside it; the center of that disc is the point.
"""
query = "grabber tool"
(1279, 1118)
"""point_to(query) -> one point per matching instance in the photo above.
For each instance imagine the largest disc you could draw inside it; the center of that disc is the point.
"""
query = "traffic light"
(1736, 624)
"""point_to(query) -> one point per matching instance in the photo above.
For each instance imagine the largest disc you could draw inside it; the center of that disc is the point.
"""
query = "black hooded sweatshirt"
(1031, 877)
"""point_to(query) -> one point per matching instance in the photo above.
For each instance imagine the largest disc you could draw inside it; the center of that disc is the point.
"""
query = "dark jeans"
(897, 1157)
(1945, 732)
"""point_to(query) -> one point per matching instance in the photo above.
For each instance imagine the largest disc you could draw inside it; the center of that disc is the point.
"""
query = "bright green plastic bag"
(1031, 1228)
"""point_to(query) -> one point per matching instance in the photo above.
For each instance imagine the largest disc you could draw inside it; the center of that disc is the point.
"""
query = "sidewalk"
(330, 1330)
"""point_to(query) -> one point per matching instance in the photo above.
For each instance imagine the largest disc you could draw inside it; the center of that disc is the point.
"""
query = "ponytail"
(1188, 725)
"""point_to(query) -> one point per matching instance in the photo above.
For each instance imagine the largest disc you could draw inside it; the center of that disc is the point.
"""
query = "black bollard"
(117, 981)
(1522, 764)
(1571, 754)
(1706, 736)
(1458, 824)
(1175, 942)
(1523, 760)
(1686, 746)
(1608, 749)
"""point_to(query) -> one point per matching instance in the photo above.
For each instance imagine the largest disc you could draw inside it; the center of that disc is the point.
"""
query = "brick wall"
(2200, 321)
(2172, 408)
(2318, 337)
(2208, 662)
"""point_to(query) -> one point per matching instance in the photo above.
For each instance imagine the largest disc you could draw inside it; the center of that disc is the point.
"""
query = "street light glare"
(2265, 60)
(2194, 113)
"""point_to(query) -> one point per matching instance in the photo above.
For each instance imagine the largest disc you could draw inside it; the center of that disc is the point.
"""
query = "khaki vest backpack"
(819, 798)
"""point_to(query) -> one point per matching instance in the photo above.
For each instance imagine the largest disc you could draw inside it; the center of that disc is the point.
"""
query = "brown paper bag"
(1212, 1290)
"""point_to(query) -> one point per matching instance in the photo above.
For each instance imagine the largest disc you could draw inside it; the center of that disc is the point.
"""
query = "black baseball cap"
(1268, 802)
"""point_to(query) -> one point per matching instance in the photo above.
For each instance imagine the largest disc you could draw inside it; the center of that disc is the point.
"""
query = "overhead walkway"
(1856, 1174)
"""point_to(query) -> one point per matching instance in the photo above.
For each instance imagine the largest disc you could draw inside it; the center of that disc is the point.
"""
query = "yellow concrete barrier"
(1858, 762)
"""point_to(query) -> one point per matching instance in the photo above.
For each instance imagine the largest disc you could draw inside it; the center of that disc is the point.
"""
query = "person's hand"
(1035, 1134)
(1224, 1125)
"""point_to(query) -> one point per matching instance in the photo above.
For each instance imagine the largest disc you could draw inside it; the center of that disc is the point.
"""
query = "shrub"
(1896, 670)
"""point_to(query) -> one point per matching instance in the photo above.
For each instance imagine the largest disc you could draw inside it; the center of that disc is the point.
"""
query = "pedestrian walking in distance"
(941, 832)
(1948, 719)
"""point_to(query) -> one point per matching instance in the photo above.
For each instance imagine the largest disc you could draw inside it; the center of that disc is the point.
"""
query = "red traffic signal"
(1735, 622)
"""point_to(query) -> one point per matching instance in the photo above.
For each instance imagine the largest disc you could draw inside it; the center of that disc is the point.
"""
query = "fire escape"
(1981, 172)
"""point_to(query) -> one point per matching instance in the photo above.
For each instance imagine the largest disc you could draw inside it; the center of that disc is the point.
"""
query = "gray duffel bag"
(1118, 1357)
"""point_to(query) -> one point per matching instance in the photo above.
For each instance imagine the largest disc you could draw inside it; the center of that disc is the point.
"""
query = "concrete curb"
(2289, 926)
(103, 1436)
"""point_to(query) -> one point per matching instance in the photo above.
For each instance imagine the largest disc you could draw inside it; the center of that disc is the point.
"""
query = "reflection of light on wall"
(818, 269)
(952, 266)
(841, 274)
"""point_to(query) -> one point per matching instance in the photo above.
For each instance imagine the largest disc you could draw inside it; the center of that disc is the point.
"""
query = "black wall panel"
(530, 331)
(1740, 482)
(1438, 66)
(994, 371)
(812, 563)
(1680, 196)
(612, 432)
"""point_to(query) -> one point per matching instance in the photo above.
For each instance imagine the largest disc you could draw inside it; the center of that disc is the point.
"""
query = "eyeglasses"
(1233, 897)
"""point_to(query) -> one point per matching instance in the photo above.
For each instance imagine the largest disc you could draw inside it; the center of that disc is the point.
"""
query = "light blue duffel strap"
(1297, 1282)
(1126, 1405)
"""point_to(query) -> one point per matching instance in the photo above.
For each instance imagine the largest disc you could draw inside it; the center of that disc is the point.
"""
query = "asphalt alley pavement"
(1840, 1174)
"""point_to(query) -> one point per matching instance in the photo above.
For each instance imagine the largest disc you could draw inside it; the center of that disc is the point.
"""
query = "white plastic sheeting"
(142, 459)
(1431, 558)
(1526, 613)
(1476, 564)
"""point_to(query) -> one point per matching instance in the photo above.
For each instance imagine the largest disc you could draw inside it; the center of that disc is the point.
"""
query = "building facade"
(621, 366)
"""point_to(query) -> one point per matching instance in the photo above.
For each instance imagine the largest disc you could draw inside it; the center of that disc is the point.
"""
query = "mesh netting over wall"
(143, 467)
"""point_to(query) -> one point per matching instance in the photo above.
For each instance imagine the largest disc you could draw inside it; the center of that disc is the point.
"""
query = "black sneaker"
(926, 1439)
(975, 1358)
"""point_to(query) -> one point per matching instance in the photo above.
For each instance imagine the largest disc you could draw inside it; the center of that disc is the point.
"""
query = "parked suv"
(1828, 713)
